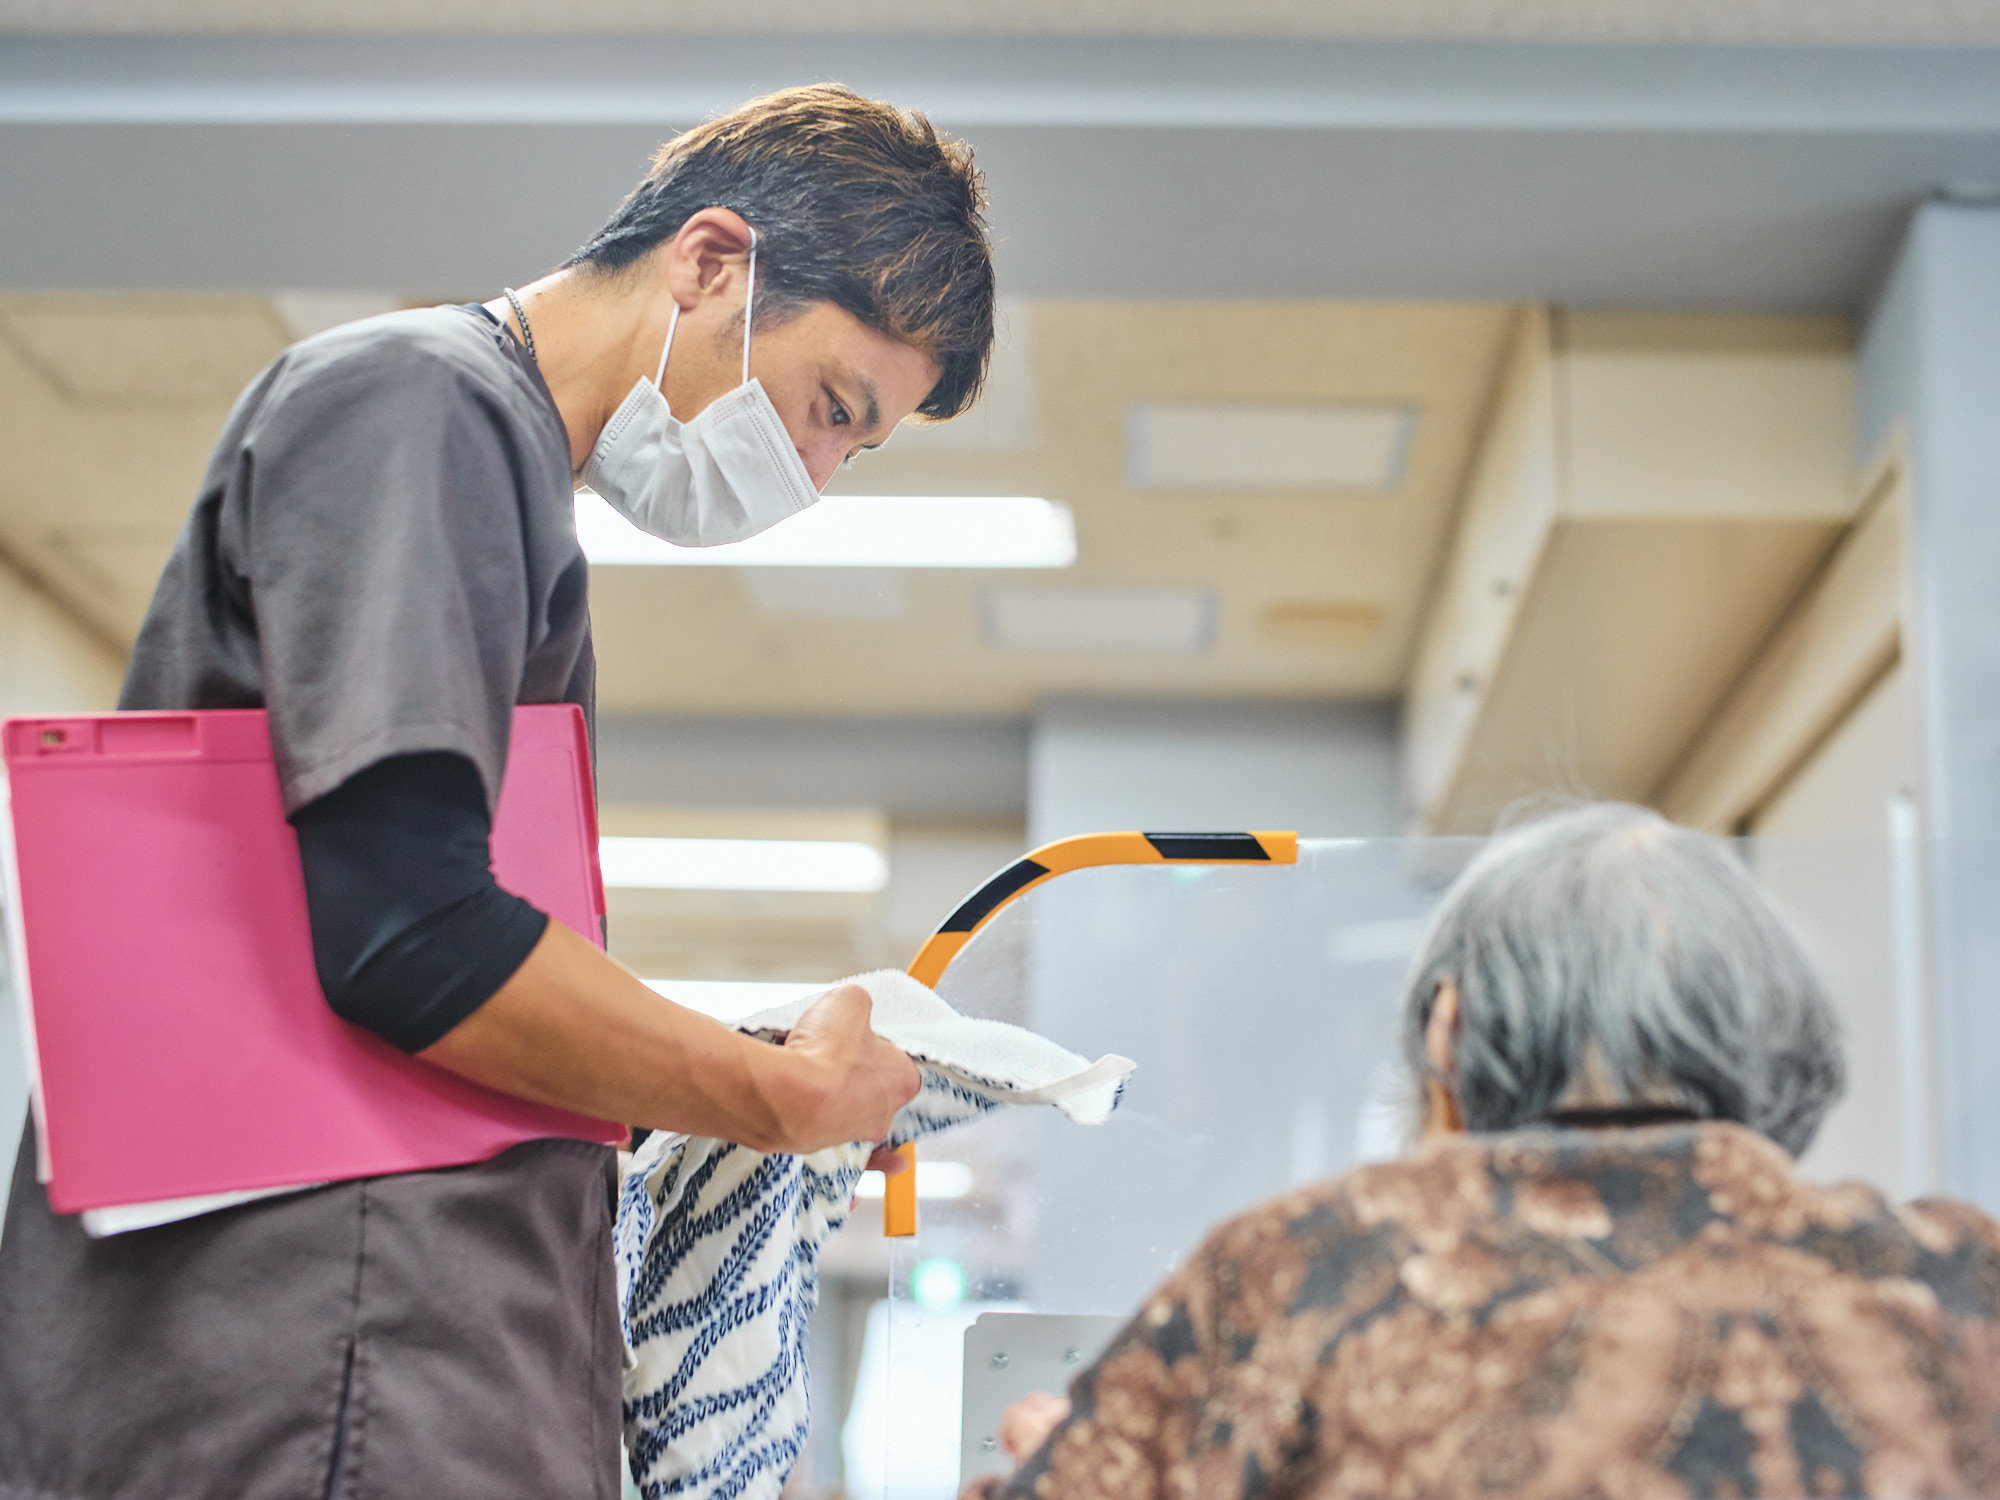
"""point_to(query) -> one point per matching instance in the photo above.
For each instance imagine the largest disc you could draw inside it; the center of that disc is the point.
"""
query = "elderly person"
(1598, 1273)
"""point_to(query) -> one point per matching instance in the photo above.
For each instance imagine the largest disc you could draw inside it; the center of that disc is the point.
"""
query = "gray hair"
(1606, 946)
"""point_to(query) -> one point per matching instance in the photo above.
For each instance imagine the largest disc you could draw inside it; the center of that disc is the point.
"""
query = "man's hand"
(575, 1029)
(1026, 1425)
(848, 1082)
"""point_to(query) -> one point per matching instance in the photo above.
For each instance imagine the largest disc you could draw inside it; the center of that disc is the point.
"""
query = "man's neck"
(592, 334)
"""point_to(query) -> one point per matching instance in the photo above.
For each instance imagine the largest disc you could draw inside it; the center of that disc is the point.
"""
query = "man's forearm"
(574, 1028)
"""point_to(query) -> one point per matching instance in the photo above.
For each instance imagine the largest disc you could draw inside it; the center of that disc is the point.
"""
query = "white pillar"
(1930, 369)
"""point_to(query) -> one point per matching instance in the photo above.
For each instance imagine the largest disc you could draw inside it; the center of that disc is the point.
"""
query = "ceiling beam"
(1008, 81)
(1593, 175)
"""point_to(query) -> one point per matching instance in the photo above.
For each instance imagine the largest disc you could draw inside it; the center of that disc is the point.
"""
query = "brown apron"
(429, 1335)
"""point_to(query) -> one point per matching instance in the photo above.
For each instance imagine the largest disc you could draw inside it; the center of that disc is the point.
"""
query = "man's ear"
(705, 253)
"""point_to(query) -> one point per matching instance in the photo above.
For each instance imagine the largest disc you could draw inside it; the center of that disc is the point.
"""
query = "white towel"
(718, 1245)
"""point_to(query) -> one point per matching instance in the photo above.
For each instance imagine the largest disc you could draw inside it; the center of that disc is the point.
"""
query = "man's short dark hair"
(855, 202)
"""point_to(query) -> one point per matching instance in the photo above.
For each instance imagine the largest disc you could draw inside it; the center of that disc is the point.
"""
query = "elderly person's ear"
(1441, 1116)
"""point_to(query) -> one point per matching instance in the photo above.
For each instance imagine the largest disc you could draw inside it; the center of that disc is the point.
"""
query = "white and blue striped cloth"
(718, 1246)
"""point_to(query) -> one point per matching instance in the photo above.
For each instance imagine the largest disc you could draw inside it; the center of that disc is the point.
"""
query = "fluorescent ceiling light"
(859, 531)
(825, 593)
(1181, 446)
(728, 999)
(1102, 621)
(935, 1179)
(741, 865)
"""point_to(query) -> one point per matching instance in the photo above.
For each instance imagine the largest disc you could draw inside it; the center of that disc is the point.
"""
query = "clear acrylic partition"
(1260, 1003)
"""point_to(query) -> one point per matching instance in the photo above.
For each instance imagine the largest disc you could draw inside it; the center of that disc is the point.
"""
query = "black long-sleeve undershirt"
(410, 932)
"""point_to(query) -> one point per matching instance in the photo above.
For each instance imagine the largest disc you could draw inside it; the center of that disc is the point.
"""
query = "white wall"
(1323, 770)
(47, 665)
(1824, 853)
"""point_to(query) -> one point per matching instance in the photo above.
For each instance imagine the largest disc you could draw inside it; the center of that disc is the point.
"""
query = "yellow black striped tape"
(899, 1204)
(1081, 853)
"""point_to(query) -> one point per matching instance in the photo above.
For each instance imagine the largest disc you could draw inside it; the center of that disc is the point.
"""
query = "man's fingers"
(887, 1160)
(848, 1004)
(907, 1078)
(906, 1082)
(840, 1012)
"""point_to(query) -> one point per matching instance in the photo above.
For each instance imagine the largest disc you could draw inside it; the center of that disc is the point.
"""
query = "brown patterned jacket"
(1665, 1311)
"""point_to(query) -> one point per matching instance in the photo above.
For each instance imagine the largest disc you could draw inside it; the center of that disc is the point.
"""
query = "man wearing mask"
(384, 557)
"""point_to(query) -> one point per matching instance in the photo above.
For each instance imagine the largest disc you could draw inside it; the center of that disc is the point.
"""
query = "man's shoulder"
(418, 346)
(425, 370)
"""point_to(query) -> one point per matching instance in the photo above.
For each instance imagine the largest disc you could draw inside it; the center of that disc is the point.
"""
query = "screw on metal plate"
(999, 1361)
(988, 1444)
(1072, 1356)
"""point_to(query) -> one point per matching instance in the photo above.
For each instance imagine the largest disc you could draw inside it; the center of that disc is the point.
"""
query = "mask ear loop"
(673, 322)
(749, 302)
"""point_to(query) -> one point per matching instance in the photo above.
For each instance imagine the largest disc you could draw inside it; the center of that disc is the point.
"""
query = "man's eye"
(838, 415)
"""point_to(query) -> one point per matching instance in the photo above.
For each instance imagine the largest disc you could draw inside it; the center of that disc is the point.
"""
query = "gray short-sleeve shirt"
(383, 555)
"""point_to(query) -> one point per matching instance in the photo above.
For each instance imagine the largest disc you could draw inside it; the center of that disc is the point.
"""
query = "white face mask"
(726, 475)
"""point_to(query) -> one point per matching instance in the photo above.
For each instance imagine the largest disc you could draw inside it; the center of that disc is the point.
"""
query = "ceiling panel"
(1121, 620)
(108, 409)
(145, 351)
(1316, 592)
(1293, 447)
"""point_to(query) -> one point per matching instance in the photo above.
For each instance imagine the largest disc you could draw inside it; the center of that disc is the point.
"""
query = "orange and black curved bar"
(1085, 851)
